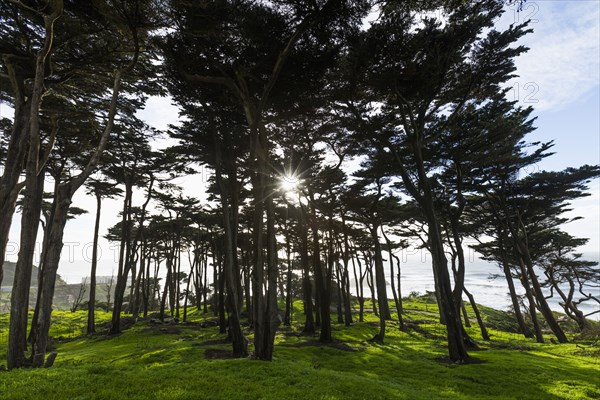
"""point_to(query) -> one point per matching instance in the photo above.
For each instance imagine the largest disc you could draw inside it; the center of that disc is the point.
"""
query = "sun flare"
(289, 183)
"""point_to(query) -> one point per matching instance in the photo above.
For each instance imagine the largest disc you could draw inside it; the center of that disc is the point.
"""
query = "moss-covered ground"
(190, 361)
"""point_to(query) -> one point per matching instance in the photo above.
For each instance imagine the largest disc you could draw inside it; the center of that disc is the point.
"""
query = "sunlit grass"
(152, 361)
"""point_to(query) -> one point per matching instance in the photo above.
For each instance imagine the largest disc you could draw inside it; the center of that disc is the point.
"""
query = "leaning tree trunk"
(541, 300)
(371, 285)
(515, 301)
(502, 238)
(34, 182)
(532, 310)
(569, 305)
(15, 155)
(7, 211)
(91, 323)
(421, 191)
(456, 346)
(484, 332)
(399, 279)
(459, 279)
(163, 299)
(55, 244)
(121, 285)
(465, 315)
(19, 301)
(63, 196)
(397, 301)
(358, 281)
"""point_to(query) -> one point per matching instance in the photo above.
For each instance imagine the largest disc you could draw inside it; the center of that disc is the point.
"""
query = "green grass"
(170, 362)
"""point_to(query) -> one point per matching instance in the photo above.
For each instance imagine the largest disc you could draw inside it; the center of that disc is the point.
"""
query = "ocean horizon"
(483, 279)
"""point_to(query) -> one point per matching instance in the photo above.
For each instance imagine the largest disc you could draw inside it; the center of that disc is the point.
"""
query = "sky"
(559, 77)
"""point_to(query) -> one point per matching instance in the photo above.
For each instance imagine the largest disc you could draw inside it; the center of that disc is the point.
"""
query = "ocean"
(484, 280)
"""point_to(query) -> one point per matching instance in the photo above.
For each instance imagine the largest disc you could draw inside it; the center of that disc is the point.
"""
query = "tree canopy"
(332, 141)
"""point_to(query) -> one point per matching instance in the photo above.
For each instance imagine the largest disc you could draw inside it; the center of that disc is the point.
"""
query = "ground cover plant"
(153, 360)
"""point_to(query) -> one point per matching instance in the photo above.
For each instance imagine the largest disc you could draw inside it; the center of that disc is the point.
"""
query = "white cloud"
(563, 63)
(160, 112)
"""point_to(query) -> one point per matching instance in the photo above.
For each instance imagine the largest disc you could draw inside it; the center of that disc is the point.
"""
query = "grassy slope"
(170, 362)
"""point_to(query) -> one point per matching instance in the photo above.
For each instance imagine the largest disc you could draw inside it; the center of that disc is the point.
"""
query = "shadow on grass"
(336, 344)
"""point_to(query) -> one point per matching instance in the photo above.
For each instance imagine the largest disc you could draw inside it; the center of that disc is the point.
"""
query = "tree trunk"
(135, 301)
(309, 322)
(399, 277)
(55, 244)
(16, 150)
(221, 297)
(456, 345)
(7, 211)
(34, 184)
(205, 285)
(568, 305)
(382, 302)
(541, 300)
(163, 301)
(174, 278)
(178, 279)
(197, 276)
(370, 284)
(340, 302)
(532, 311)
(346, 277)
(271, 317)
(515, 301)
(91, 323)
(384, 309)
(484, 332)
(317, 306)
(358, 280)
(289, 296)
(248, 294)
(231, 274)
(19, 301)
(187, 292)
(465, 315)
(147, 293)
(321, 282)
(459, 275)
(396, 300)
(258, 304)
(215, 297)
(122, 273)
